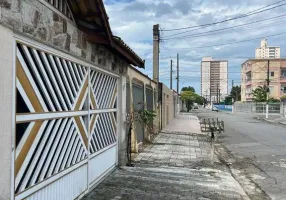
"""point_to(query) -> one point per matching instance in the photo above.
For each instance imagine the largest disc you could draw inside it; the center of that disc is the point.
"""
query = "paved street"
(258, 149)
(177, 165)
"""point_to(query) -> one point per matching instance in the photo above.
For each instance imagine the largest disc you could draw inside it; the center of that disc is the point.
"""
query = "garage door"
(138, 103)
(66, 137)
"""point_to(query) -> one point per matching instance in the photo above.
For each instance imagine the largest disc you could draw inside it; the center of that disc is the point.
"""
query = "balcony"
(248, 82)
(283, 79)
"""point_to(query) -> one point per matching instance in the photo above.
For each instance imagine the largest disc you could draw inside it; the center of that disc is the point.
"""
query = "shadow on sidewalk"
(173, 167)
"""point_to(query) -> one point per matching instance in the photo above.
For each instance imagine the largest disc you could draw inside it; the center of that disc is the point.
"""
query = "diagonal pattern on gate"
(104, 90)
(54, 146)
(59, 84)
(103, 131)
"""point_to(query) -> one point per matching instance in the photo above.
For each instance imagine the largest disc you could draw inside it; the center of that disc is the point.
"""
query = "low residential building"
(265, 51)
(141, 94)
(254, 74)
(214, 75)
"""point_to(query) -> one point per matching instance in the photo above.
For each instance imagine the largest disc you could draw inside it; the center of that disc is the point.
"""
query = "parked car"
(214, 109)
(196, 106)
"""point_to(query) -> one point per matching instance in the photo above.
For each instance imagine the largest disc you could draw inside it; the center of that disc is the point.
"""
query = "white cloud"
(133, 21)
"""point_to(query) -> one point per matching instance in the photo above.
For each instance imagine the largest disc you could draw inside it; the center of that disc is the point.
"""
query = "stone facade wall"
(35, 20)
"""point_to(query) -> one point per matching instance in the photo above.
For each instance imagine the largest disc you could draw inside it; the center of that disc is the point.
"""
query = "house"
(254, 74)
(63, 87)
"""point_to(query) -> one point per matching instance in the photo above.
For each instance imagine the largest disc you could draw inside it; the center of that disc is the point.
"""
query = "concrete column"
(123, 132)
(6, 111)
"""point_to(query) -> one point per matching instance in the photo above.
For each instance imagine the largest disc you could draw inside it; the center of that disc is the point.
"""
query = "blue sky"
(133, 21)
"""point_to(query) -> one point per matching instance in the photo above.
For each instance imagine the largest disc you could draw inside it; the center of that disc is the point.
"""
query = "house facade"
(254, 74)
(63, 91)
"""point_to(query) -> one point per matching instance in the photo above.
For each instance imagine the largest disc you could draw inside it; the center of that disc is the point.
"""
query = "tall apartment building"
(254, 74)
(265, 51)
(214, 75)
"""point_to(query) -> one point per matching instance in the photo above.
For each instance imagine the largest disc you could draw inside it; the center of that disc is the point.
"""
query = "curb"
(271, 121)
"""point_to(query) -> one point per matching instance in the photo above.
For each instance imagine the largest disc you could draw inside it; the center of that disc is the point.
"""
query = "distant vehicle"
(196, 106)
(214, 109)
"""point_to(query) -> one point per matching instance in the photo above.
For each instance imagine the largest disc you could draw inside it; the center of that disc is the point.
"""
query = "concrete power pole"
(156, 41)
(178, 81)
(232, 84)
(171, 76)
(217, 93)
(268, 81)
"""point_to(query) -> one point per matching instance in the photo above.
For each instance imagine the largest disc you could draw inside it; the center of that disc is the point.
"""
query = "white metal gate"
(66, 129)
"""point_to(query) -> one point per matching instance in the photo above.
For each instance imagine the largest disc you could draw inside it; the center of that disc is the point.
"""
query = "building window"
(283, 89)
(248, 76)
(283, 73)
(248, 90)
(271, 74)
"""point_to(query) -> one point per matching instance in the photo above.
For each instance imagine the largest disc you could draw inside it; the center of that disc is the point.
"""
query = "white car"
(214, 109)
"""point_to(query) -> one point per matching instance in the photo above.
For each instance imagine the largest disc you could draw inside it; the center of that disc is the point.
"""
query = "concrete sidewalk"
(273, 119)
(176, 165)
(184, 123)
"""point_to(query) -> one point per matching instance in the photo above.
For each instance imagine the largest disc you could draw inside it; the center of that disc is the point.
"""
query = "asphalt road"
(260, 145)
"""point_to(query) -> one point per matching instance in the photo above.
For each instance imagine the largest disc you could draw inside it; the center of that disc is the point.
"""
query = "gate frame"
(18, 38)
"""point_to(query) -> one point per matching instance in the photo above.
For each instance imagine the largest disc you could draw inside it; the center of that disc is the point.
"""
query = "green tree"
(236, 93)
(189, 98)
(199, 100)
(228, 100)
(189, 88)
(260, 94)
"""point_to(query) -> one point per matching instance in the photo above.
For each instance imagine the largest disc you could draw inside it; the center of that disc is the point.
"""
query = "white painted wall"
(122, 129)
(205, 79)
(6, 110)
(223, 78)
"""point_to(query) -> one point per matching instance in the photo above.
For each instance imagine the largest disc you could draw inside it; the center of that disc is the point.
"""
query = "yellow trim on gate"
(92, 123)
(26, 147)
(23, 79)
(113, 98)
(81, 95)
(81, 130)
(92, 97)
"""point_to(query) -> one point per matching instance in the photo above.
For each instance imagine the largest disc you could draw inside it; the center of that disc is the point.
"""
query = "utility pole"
(178, 76)
(268, 81)
(171, 75)
(156, 41)
(178, 81)
(217, 93)
(232, 84)
(211, 95)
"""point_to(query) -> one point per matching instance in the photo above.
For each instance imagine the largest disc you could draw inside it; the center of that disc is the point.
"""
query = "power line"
(226, 28)
(215, 45)
(254, 12)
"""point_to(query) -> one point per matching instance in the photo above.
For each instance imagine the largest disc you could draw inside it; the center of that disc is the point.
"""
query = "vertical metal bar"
(13, 120)
(118, 115)
(88, 130)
